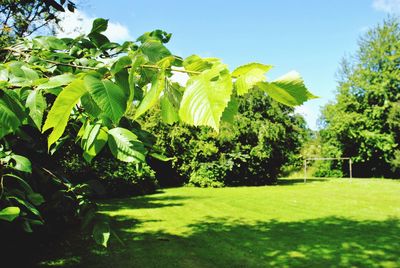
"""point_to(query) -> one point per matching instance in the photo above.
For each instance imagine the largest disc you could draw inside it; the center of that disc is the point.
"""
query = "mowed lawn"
(328, 223)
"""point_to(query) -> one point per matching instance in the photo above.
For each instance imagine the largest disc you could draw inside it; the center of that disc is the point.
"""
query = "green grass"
(329, 223)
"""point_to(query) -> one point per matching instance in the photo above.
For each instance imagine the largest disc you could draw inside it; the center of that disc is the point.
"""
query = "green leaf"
(120, 64)
(58, 116)
(9, 213)
(37, 105)
(152, 96)
(248, 75)
(125, 145)
(99, 140)
(109, 97)
(154, 50)
(206, 97)
(27, 188)
(9, 122)
(22, 163)
(27, 205)
(99, 25)
(90, 106)
(288, 89)
(197, 64)
(169, 114)
(231, 110)
(101, 233)
(98, 39)
(161, 157)
(57, 81)
(36, 198)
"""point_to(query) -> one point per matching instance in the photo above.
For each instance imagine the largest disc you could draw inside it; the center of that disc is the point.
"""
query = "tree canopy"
(364, 120)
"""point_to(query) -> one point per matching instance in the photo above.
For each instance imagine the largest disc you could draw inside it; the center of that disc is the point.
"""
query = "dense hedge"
(250, 150)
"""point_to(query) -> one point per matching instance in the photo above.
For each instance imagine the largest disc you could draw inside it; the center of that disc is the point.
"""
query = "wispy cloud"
(389, 6)
(74, 24)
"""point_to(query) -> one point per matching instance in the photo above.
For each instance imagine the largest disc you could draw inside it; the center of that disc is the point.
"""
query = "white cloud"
(389, 6)
(77, 23)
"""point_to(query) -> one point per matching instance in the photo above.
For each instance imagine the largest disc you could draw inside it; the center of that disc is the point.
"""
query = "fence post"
(350, 168)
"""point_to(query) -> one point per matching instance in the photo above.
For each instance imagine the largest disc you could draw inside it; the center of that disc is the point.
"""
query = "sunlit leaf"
(248, 75)
(125, 145)
(9, 213)
(58, 116)
(206, 97)
(288, 89)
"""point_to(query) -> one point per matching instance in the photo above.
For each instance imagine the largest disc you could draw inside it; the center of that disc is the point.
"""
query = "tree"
(99, 90)
(249, 150)
(22, 18)
(363, 122)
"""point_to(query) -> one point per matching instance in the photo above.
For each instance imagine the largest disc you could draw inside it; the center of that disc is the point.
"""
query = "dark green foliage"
(106, 177)
(363, 122)
(251, 150)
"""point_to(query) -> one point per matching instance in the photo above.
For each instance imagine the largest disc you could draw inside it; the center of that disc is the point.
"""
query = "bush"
(207, 175)
(107, 176)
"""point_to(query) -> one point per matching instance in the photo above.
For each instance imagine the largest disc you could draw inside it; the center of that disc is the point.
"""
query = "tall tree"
(21, 18)
(364, 120)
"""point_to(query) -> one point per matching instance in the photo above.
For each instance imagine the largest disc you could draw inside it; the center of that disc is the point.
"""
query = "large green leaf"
(125, 145)
(206, 97)
(36, 104)
(248, 75)
(9, 213)
(9, 121)
(288, 89)
(110, 98)
(153, 95)
(58, 116)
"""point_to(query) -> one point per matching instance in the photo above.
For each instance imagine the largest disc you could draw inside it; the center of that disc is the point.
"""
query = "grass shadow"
(220, 242)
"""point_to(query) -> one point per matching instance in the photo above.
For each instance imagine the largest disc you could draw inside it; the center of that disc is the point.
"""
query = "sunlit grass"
(323, 223)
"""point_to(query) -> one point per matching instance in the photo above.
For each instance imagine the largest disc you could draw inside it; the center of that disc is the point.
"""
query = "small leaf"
(99, 25)
(57, 81)
(153, 95)
(169, 114)
(288, 89)
(154, 50)
(36, 198)
(248, 75)
(22, 163)
(120, 64)
(9, 213)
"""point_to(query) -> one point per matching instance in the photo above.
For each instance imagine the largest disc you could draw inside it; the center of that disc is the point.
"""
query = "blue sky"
(310, 36)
